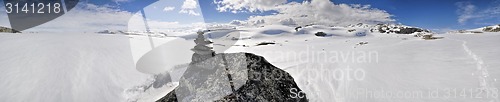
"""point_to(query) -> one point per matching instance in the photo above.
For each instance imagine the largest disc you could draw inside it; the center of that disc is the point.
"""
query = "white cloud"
(4, 19)
(87, 18)
(168, 8)
(93, 18)
(493, 10)
(250, 5)
(469, 12)
(237, 22)
(319, 12)
(465, 11)
(136, 23)
(189, 7)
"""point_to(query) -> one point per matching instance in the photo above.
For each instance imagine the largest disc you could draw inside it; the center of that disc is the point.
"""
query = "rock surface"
(8, 30)
(409, 30)
(492, 28)
(235, 77)
(320, 34)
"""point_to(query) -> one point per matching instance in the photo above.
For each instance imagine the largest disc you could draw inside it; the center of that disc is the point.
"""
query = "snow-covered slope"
(66, 68)
(340, 68)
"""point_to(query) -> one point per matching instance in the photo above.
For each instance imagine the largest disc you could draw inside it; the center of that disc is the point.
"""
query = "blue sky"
(437, 14)
(429, 14)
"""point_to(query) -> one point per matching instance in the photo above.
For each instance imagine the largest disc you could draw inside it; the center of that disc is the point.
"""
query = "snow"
(66, 67)
(93, 67)
(399, 63)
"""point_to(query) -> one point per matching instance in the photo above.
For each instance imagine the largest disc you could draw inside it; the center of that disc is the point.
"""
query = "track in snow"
(482, 72)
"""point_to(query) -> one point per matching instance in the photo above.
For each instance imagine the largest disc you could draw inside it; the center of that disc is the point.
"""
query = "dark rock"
(409, 30)
(380, 30)
(265, 43)
(297, 28)
(491, 29)
(476, 32)
(321, 34)
(236, 77)
(8, 30)
(359, 24)
(161, 79)
(106, 32)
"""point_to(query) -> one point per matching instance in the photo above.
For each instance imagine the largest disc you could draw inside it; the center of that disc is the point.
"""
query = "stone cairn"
(201, 50)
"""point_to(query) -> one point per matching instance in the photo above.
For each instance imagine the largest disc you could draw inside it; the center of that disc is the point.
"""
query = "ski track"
(482, 72)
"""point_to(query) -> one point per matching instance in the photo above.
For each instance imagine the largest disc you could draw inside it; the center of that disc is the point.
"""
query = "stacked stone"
(201, 50)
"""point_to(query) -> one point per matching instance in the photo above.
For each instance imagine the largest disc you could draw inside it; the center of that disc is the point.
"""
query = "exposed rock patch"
(8, 30)
(235, 77)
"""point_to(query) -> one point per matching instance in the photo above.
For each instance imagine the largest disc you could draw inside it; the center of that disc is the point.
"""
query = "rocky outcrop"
(492, 29)
(409, 30)
(106, 32)
(8, 30)
(397, 29)
(240, 77)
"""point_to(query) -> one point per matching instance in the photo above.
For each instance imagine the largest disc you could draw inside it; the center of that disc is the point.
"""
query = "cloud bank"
(308, 12)
(465, 11)
(249, 5)
(168, 8)
(87, 18)
(468, 12)
(188, 7)
(3, 16)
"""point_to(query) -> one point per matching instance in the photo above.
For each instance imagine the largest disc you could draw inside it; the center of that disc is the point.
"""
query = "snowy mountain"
(493, 28)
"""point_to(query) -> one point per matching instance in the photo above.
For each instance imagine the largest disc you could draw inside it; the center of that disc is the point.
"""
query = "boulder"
(297, 28)
(321, 34)
(238, 77)
(265, 43)
(106, 32)
(409, 30)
